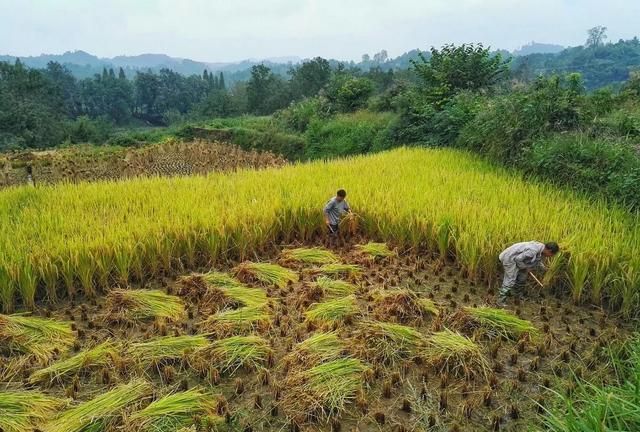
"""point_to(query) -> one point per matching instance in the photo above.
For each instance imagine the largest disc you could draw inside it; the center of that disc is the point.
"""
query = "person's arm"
(347, 207)
(327, 209)
(527, 259)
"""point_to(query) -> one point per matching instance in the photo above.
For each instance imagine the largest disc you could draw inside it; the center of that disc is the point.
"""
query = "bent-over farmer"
(518, 260)
(335, 208)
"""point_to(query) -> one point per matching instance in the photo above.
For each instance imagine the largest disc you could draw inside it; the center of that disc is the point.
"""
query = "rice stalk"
(455, 353)
(174, 411)
(237, 320)
(351, 270)
(318, 348)
(376, 250)
(335, 288)
(40, 337)
(309, 256)
(136, 305)
(107, 354)
(269, 274)
(332, 310)
(22, 411)
(167, 348)
(237, 352)
(101, 411)
(502, 322)
(389, 343)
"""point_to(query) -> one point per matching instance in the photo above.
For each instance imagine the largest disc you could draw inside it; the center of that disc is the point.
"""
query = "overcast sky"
(227, 30)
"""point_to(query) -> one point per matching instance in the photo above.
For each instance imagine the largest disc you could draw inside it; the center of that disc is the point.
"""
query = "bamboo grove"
(64, 240)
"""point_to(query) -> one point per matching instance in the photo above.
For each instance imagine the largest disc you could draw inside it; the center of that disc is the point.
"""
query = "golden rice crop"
(353, 270)
(501, 322)
(318, 348)
(40, 337)
(376, 250)
(231, 321)
(447, 200)
(389, 343)
(25, 410)
(456, 353)
(235, 352)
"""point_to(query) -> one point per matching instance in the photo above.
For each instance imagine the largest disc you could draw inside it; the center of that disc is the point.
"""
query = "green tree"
(310, 77)
(349, 93)
(452, 69)
(596, 36)
(266, 92)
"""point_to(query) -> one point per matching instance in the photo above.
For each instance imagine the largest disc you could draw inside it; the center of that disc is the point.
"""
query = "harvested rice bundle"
(232, 353)
(36, 336)
(332, 311)
(389, 344)
(499, 322)
(455, 353)
(401, 305)
(324, 390)
(167, 348)
(233, 321)
(245, 296)
(107, 354)
(351, 270)
(319, 348)
(335, 288)
(135, 305)
(196, 288)
(314, 255)
(376, 250)
(25, 410)
(266, 273)
(101, 412)
(175, 411)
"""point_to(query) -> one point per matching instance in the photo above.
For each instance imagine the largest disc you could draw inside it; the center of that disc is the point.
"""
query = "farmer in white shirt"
(518, 260)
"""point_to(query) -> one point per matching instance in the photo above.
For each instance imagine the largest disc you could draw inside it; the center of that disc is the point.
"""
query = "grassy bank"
(83, 237)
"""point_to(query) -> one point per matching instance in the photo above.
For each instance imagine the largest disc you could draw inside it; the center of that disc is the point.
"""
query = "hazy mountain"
(538, 48)
(83, 64)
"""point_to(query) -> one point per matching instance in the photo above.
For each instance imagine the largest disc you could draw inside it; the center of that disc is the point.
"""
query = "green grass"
(167, 348)
(39, 337)
(104, 355)
(22, 411)
(100, 411)
(270, 274)
(237, 352)
(502, 322)
(325, 389)
(310, 255)
(597, 407)
(174, 411)
(332, 310)
(335, 288)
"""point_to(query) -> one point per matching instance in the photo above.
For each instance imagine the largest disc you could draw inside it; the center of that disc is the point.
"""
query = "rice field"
(64, 240)
(411, 345)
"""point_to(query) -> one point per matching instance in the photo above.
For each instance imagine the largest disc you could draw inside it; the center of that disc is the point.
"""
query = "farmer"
(335, 208)
(518, 260)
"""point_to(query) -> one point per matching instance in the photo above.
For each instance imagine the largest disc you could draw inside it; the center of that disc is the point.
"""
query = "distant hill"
(538, 48)
(83, 64)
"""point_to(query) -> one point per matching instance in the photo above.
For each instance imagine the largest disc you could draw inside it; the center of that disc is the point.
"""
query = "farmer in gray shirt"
(518, 260)
(335, 208)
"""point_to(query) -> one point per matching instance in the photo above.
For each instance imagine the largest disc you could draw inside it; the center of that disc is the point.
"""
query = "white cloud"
(225, 30)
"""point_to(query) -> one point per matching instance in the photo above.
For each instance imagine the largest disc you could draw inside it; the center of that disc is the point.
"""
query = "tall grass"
(411, 197)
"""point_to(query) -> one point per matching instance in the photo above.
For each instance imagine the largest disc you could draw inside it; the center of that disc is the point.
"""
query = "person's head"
(550, 249)
(341, 195)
